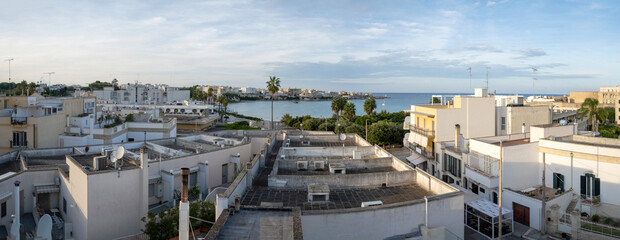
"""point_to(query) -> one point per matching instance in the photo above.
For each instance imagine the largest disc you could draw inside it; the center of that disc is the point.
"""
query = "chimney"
(15, 228)
(184, 206)
(523, 128)
(457, 136)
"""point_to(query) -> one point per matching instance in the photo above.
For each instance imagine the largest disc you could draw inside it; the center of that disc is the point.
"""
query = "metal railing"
(19, 120)
(591, 200)
(23, 144)
(600, 228)
(425, 132)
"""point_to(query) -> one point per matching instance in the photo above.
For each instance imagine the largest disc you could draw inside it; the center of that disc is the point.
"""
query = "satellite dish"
(44, 227)
(117, 154)
(343, 137)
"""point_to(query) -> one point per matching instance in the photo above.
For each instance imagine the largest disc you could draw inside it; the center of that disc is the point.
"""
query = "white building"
(141, 94)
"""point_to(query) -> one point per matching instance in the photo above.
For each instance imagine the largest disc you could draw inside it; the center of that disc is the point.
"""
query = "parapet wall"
(345, 180)
(349, 163)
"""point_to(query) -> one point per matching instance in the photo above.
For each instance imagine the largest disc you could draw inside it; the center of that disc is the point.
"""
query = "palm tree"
(348, 112)
(338, 105)
(369, 106)
(590, 108)
(209, 95)
(273, 86)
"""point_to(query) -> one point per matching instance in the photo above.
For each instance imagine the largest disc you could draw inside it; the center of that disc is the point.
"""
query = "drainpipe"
(426, 212)
(15, 228)
(184, 206)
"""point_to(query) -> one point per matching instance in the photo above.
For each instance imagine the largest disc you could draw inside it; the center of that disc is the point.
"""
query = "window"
(503, 123)
(452, 165)
(152, 189)
(590, 186)
(558, 181)
(481, 190)
(3, 210)
(193, 179)
(20, 139)
(64, 205)
(474, 188)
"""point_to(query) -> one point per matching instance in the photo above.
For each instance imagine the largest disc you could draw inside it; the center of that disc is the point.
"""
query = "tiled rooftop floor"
(339, 198)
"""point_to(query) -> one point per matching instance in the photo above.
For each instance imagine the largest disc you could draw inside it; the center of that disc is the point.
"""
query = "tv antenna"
(534, 70)
(469, 70)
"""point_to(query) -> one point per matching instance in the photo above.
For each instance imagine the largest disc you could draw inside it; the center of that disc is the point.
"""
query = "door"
(521, 214)
(495, 197)
(224, 173)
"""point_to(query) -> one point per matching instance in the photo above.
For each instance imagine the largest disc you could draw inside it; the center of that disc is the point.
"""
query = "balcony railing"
(590, 200)
(426, 132)
(23, 144)
(19, 120)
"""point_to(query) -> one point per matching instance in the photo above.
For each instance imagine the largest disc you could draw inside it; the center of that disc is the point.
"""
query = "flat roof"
(513, 142)
(339, 198)
(264, 224)
(282, 171)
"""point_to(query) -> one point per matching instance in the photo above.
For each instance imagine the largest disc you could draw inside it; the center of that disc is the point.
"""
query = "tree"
(338, 105)
(164, 225)
(209, 94)
(384, 133)
(225, 103)
(590, 108)
(369, 106)
(354, 128)
(348, 111)
(312, 124)
(435, 100)
(129, 118)
(285, 118)
(115, 84)
(273, 86)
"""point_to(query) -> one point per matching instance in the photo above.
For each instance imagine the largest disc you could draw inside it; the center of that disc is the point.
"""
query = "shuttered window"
(558, 181)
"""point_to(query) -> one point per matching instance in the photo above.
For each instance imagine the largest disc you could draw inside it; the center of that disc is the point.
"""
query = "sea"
(393, 102)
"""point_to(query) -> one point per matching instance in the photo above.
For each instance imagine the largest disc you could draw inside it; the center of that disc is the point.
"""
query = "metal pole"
(501, 158)
(10, 88)
(571, 170)
(544, 188)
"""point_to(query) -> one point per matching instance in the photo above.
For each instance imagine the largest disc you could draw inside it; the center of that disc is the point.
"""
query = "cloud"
(491, 3)
(476, 48)
(530, 53)
(153, 21)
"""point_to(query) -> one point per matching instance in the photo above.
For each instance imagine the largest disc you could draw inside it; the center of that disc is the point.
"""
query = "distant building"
(36, 122)
(141, 94)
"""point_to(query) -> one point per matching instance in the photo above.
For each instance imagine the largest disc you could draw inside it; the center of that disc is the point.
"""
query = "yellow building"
(35, 122)
(431, 124)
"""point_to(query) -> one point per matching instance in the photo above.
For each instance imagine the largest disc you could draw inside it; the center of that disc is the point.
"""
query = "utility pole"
(501, 159)
(543, 218)
(534, 70)
(50, 77)
(469, 69)
(9, 60)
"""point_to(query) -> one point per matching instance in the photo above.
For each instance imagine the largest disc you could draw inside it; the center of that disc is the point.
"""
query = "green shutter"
(555, 181)
(583, 185)
(597, 187)
(561, 182)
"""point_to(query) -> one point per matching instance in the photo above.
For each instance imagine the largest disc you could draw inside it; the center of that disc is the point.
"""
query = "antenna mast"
(50, 77)
(10, 88)
(534, 70)
(487, 81)
(469, 69)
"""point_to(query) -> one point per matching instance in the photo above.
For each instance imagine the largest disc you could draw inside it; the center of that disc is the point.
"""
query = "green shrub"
(608, 221)
(595, 218)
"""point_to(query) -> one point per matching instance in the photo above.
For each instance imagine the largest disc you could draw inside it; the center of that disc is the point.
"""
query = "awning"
(46, 189)
(416, 159)
(488, 208)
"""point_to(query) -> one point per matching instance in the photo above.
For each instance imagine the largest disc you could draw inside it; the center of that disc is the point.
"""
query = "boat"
(295, 101)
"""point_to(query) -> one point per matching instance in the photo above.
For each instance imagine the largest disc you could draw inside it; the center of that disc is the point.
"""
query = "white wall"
(384, 221)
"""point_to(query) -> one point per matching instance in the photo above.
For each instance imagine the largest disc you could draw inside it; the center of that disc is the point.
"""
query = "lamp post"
(367, 129)
(9, 60)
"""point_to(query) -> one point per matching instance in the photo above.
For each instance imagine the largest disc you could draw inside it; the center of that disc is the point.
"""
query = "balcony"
(19, 120)
(426, 132)
(590, 200)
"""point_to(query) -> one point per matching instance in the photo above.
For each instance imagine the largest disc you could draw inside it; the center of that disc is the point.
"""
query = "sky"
(368, 46)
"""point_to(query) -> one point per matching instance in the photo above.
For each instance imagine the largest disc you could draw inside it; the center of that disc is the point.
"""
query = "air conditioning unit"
(302, 165)
(319, 165)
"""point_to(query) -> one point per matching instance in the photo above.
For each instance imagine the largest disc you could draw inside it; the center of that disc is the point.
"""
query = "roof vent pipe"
(457, 136)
